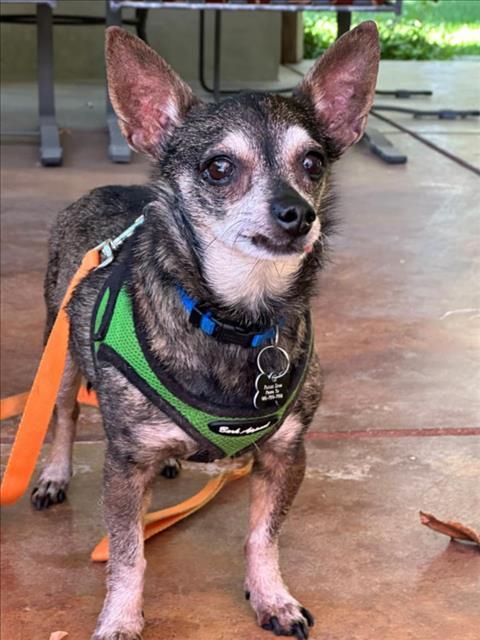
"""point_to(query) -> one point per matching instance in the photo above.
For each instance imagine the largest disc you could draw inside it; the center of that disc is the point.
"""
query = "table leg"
(118, 149)
(381, 146)
(50, 149)
(217, 54)
(217, 29)
(344, 22)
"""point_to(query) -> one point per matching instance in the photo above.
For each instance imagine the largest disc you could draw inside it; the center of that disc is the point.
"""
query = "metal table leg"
(118, 149)
(344, 22)
(217, 30)
(216, 54)
(381, 146)
(50, 149)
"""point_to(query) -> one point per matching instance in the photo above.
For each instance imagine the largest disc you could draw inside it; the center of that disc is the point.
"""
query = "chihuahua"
(197, 337)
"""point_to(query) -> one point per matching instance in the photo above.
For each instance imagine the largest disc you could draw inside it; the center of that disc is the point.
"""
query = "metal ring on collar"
(285, 355)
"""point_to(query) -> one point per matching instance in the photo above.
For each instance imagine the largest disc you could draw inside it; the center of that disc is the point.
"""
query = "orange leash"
(158, 521)
(37, 406)
(41, 399)
(14, 405)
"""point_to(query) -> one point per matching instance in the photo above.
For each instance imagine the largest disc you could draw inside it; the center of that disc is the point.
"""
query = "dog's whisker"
(222, 236)
(250, 273)
(239, 236)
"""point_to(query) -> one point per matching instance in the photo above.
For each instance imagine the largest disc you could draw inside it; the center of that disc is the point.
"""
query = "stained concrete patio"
(398, 431)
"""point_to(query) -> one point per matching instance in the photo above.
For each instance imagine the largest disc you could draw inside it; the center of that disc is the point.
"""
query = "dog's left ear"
(341, 85)
(149, 98)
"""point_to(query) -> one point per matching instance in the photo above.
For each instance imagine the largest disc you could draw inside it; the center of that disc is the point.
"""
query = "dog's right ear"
(149, 98)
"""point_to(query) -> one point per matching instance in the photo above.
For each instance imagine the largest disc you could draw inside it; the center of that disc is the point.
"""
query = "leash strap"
(14, 405)
(158, 521)
(38, 404)
(41, 399)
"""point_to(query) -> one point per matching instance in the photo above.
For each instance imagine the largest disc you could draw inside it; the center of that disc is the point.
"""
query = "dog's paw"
(116, 622)
(282, 615)
(171, 468)
(297, 626)
(48, 492)
(119, 631)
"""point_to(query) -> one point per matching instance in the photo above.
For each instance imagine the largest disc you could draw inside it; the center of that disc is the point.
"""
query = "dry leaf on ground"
(453, 529)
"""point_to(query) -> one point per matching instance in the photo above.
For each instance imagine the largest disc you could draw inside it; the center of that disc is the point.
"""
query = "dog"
(216, 280)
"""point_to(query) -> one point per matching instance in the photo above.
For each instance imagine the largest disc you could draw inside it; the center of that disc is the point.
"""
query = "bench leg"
(118, 149)
(50, 149)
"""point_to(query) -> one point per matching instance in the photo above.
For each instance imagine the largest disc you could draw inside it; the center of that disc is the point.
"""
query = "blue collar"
(221, 330)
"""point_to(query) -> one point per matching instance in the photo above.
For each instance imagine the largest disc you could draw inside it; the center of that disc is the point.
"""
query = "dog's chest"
(221, 429)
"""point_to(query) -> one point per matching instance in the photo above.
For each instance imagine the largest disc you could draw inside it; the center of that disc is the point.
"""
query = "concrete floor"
(398, 431)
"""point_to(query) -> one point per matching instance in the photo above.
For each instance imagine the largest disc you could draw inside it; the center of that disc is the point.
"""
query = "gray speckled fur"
(186, 235)
(167, 251)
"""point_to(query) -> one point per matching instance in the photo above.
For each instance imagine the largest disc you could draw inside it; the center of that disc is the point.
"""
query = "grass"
(426, 30)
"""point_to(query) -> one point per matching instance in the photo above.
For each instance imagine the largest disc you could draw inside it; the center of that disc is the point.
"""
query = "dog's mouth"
(293, 246)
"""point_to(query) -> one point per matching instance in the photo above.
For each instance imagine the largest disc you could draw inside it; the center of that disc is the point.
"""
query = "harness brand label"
(239, 428)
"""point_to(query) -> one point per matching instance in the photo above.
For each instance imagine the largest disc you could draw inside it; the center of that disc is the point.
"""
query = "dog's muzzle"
(292, 213)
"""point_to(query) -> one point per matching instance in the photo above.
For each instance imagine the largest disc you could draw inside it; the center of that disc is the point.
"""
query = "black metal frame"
(118, 149)
(377, 142)
(51, 153)
(390, 6)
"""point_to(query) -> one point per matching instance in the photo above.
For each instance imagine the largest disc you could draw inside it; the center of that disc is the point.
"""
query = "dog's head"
(251, 171)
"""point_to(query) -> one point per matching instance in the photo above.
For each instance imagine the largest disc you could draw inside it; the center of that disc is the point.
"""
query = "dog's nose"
(293, 214)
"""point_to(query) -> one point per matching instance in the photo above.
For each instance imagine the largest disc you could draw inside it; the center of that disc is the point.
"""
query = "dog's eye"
(313, 165)
(218, 170)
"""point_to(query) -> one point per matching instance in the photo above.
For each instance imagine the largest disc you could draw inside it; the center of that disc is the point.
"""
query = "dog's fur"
(223, 246)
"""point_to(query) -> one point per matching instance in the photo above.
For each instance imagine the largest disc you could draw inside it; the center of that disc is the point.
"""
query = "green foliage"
(426, 31)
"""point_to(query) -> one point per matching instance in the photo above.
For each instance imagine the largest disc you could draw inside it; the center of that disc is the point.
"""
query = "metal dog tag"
(271, 392)
(271, 386)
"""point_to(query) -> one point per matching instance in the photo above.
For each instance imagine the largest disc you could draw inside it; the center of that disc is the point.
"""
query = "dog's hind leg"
(52, 484)
(277, 474)
(126, 497)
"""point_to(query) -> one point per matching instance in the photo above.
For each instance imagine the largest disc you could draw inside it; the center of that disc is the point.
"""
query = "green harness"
(117, 338)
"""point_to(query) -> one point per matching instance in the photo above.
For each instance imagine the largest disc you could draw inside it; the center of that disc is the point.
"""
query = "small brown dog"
(197, 337)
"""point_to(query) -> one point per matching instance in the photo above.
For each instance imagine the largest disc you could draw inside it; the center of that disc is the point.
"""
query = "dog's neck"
(245, 282)
(234, 287)
(166, 252)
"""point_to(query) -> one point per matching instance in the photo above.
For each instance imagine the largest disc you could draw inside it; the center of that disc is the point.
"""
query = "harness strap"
(117, 337)
(39, 404)
(41, 399)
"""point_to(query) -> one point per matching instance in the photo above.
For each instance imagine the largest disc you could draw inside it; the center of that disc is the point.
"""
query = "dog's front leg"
(52, 485)
(277, 474)
(126, 496)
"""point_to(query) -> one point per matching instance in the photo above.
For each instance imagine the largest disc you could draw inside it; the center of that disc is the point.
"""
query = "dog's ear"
(149, 98)
(341, 85)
